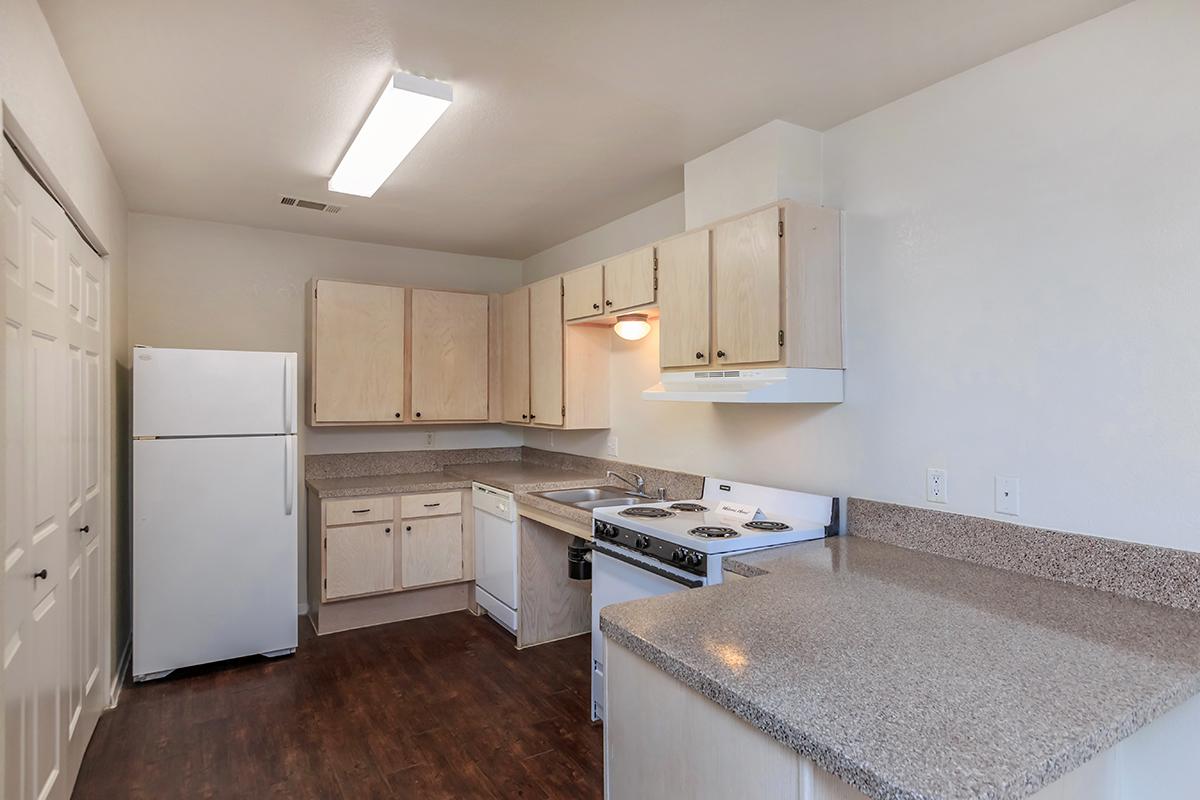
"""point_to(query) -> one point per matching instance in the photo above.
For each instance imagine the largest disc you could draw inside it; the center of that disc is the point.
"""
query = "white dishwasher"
(496, 526)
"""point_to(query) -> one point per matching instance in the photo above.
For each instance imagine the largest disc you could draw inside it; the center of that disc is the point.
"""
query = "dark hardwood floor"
(442, 707)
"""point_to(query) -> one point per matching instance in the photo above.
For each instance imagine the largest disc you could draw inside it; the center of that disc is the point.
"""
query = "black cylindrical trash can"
(579, 559)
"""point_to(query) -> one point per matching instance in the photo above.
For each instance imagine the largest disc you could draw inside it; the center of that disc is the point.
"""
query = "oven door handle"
(691, 583)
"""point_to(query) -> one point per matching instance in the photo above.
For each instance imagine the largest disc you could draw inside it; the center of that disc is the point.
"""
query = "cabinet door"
(358, 352)
(545, 353)
(449, 355)
(629, 280)
(358, 560)
(514, 354)
(583, 292)
(431, 551)
(684, 301)
(746, 287)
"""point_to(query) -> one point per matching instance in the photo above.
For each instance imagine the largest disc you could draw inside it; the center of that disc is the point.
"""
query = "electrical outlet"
(935, 485)
(612, 445)
(1008, 495)
(429, 438)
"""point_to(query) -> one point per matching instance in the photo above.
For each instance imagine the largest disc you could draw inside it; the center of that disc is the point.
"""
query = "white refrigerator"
(214, 507)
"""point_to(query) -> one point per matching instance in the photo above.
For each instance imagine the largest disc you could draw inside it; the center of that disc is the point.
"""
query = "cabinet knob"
(533, 416)
(397, 415)
(699, 354)
(720, 354)
(596, 305)
(408, 527)
(387, 530)
(608, 302)
(524, 416)
(417, 414)
(85, 529)
(41, 574)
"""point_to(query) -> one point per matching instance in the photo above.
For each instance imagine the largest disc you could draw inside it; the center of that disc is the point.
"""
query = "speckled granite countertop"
(916, 677)
(512, 476)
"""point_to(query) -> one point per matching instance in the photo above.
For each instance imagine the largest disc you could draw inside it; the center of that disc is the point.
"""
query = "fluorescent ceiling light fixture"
(403, 114)
(632, 326)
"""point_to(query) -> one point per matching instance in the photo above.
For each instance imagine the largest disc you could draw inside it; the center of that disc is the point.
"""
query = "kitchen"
(950, 272)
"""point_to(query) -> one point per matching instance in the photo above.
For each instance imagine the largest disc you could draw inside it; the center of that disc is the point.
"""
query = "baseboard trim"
(118, 681)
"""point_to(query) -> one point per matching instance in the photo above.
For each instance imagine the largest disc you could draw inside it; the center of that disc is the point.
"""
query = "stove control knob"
(642, 542)
(678, 555)
(693, 559)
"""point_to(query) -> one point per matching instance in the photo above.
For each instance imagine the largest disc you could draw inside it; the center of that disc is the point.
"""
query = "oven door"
(617, 580)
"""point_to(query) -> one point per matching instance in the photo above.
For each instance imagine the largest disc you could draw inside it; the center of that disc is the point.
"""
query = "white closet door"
(53, 618)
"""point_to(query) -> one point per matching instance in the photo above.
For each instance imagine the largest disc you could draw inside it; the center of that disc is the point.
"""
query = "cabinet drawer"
(358, 509)
(430, 505)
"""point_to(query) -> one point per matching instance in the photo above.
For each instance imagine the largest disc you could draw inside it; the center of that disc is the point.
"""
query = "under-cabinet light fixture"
(632, 326)
(404, 112)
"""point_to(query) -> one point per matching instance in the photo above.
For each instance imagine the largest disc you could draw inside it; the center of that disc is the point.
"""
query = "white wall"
(1022, 275)
(44, 114)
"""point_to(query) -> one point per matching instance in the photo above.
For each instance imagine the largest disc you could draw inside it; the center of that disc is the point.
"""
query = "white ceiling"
(567, 113)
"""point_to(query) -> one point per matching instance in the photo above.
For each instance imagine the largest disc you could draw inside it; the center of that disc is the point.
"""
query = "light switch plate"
(1008, 495)
(612, 445)
(935, 485)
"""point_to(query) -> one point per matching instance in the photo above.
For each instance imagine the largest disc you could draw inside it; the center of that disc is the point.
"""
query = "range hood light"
(632, 326)
(403, 114)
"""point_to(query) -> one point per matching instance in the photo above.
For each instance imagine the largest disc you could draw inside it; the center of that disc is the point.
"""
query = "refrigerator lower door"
(213, 392)
(214, 550)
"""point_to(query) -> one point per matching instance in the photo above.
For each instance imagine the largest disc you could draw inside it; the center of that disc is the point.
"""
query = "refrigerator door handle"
(289, 395)
(289, 475)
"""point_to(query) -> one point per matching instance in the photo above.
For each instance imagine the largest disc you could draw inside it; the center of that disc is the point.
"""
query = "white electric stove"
(654, 548)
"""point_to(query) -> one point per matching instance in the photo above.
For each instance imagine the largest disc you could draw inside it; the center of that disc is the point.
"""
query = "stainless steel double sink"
(592, 497)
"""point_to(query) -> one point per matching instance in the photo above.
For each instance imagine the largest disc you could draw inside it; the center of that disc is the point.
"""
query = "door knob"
(85, 529)
(41, 574)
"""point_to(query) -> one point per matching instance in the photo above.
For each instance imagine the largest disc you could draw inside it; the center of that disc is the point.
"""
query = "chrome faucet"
(638, 483)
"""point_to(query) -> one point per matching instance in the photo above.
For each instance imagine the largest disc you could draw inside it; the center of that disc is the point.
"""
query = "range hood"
(775, 385)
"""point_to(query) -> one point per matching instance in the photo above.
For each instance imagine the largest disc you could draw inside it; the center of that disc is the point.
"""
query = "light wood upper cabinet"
(629, 280)
(359, 560)
(449, 355)
(747, 286)
(431, 551)
(684, 301)
(357, 369)
(583, 292)
(514, 372)
(546, 352)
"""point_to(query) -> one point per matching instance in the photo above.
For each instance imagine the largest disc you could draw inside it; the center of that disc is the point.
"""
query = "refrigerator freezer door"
(213, 392)
(214, 550)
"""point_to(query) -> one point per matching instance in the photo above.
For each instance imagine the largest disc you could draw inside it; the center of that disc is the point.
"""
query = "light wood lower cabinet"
(431, 551)
(358, 559)
(399, 543)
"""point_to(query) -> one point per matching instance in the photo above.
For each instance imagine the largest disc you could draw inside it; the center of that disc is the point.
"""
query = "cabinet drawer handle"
(699, 354)
(720, 354)
(360, 511)
(432, 505)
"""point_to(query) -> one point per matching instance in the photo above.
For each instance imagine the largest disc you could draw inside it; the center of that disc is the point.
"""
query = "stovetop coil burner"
(688, 507)
(645, 511)
(767, 525)
(713, 532)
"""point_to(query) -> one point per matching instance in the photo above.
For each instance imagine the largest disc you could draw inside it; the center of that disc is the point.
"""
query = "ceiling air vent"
(311, 205)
